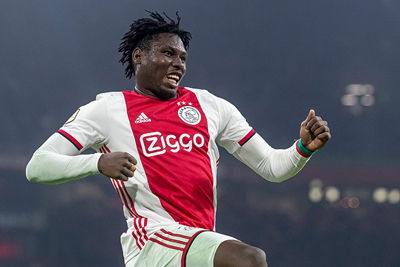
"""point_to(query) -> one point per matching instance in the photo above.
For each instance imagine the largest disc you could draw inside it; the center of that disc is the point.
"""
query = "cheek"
(158, 63)
(161, 67)
(156, 68)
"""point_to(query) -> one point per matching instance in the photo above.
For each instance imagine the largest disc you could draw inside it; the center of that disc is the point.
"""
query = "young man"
(158, 144)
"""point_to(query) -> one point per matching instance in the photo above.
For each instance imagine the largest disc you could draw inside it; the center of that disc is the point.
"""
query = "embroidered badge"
(73, 117)
(189, 115)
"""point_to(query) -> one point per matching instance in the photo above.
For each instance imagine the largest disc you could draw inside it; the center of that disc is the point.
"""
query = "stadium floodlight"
(315, 194)
(380, 195)
(358, 96)
(394, 196)
(349, 100)
(332, 194)
(367, 100)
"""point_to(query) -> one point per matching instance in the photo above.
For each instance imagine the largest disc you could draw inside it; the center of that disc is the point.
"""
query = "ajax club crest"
(189, 115)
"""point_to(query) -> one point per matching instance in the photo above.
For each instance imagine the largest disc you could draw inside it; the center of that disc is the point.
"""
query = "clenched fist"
(117, 165)
(314, 132)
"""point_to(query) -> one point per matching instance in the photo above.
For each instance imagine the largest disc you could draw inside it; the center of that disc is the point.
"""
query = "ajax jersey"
(175, 144)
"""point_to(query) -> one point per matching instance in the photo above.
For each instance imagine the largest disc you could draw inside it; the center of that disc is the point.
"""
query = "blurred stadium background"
(274, 60)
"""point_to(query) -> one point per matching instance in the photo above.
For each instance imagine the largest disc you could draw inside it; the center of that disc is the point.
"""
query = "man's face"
(160, 69)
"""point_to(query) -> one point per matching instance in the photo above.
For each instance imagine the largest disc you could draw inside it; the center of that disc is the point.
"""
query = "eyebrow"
(184, 53)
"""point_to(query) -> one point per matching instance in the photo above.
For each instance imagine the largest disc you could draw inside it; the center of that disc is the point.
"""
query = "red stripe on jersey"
(118, 182)
(247, 137)
(165, 245)
(131, 209)
(173, 150)
(143, 228)
(173, 234)
(189, 243)
(114, 182)
(170, 239)
(138, 230)
(130, 199)
(71, 139)
(108, 150)
(116, 188)
(136, 239)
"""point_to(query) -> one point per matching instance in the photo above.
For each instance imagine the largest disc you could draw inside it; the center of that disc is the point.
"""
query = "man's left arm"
(277, 165)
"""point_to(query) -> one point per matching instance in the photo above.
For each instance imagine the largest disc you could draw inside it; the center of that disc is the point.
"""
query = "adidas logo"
(142, 118)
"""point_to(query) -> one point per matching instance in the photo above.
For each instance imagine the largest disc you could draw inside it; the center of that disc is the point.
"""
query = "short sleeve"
(234, 131)
(87, 126)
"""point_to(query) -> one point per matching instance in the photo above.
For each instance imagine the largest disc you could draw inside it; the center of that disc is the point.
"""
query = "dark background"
(274, 60)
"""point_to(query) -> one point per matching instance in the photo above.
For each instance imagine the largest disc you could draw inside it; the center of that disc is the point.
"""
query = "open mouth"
(174, 78)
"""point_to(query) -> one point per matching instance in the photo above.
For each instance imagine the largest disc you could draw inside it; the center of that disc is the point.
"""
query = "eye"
(183, 59)
(168, 53)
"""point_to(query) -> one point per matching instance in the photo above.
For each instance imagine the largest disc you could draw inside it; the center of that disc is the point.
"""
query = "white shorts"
(179, 245)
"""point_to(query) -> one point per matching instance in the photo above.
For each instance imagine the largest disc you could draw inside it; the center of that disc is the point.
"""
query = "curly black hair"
(142, 31)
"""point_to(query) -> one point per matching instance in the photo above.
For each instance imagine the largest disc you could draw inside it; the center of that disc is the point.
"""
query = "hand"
(314, 132)
(117, 165)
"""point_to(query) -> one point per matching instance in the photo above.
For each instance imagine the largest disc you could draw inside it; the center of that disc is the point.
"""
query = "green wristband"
(303, 149)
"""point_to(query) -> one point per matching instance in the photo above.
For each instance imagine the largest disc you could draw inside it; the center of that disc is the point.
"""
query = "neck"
(143, 92)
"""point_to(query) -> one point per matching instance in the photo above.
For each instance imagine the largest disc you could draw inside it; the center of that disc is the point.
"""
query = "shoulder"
(197, 91)
(206, 96)
(109, 96)
(101, 103)
(103, 100)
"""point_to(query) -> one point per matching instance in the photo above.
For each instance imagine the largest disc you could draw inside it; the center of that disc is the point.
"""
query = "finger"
(320, 130)
(127, 172)
(132, 159)
(127, 164)
(130, 166)
(122, 177)
(324, 137)
(311, 114)
(317, 125)
(312, 121)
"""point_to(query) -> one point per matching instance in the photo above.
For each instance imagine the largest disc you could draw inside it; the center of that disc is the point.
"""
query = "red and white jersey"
(175, 144)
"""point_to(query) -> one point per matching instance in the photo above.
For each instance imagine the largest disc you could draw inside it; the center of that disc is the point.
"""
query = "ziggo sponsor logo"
(155, 143)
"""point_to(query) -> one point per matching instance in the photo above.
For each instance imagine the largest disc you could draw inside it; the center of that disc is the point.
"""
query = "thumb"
(311, 115)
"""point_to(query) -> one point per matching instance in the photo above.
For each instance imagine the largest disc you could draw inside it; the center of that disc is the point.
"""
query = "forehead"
(171, 40)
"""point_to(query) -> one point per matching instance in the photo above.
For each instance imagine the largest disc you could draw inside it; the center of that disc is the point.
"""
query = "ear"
(137, 56)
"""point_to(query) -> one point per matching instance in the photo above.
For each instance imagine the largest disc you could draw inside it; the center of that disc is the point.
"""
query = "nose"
(178, 64)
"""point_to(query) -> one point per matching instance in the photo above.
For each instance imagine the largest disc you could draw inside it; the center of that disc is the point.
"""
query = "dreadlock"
(142, 31)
